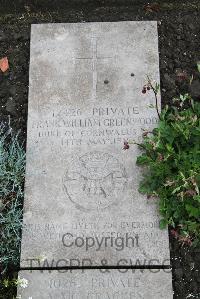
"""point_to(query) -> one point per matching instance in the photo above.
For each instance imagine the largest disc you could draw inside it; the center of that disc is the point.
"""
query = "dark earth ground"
(179, 46)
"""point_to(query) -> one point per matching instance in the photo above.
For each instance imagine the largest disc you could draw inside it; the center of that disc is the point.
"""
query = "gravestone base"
(97, 284)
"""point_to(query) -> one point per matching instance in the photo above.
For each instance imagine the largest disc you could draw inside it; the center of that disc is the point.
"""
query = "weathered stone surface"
(85, 99)
(96, 284)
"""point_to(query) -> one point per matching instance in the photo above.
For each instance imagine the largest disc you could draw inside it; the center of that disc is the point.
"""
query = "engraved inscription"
(100, 126)
(95, 181)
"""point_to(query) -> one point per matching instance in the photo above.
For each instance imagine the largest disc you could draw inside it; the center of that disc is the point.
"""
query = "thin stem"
(156, 97)
(148, 151)
(157, 104)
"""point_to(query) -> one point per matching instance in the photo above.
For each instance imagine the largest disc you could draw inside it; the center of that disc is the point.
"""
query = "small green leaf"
(145, 188)
(157, 88)
(169, 147)
(163, 223)
(194, 212)
(141, 160)
(197, 198)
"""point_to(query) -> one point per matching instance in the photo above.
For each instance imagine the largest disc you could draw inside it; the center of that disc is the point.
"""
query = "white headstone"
(82, 205)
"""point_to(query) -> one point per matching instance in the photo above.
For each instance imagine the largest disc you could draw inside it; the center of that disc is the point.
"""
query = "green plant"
(171, 155)
(9, 287)
(12, 169)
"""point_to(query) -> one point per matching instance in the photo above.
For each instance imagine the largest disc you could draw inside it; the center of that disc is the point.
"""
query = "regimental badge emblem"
(95, 181)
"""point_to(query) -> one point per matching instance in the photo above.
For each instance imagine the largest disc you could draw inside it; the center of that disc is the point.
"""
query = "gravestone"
(94, 284)
(82, 205)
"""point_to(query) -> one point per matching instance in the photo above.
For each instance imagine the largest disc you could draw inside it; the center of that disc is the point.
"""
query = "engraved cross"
(94, 59)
